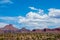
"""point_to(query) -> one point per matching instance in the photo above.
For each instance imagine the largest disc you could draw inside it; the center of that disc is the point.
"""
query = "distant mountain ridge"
(11, 28)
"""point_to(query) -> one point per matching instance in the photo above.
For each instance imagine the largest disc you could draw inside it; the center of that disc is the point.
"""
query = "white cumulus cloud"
(36, 20)
(54, 12)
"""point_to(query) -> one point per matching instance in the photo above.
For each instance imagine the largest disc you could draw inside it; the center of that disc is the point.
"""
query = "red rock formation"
(10, 27)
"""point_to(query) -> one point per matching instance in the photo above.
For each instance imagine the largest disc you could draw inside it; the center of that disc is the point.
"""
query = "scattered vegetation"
(30, 36)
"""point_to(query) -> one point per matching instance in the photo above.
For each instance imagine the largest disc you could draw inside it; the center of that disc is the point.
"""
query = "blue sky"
(31, 14)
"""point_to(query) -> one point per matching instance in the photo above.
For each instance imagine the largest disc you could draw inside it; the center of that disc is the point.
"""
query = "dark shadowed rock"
(37, 30)
(46, 30)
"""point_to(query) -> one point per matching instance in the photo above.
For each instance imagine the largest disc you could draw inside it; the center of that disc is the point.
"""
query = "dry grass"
(29, 36)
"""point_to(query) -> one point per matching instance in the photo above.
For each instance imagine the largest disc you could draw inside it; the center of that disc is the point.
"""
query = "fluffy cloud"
(36, 20)
(40, 11)
(54, 13)
(33, 8)
(5, 1)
